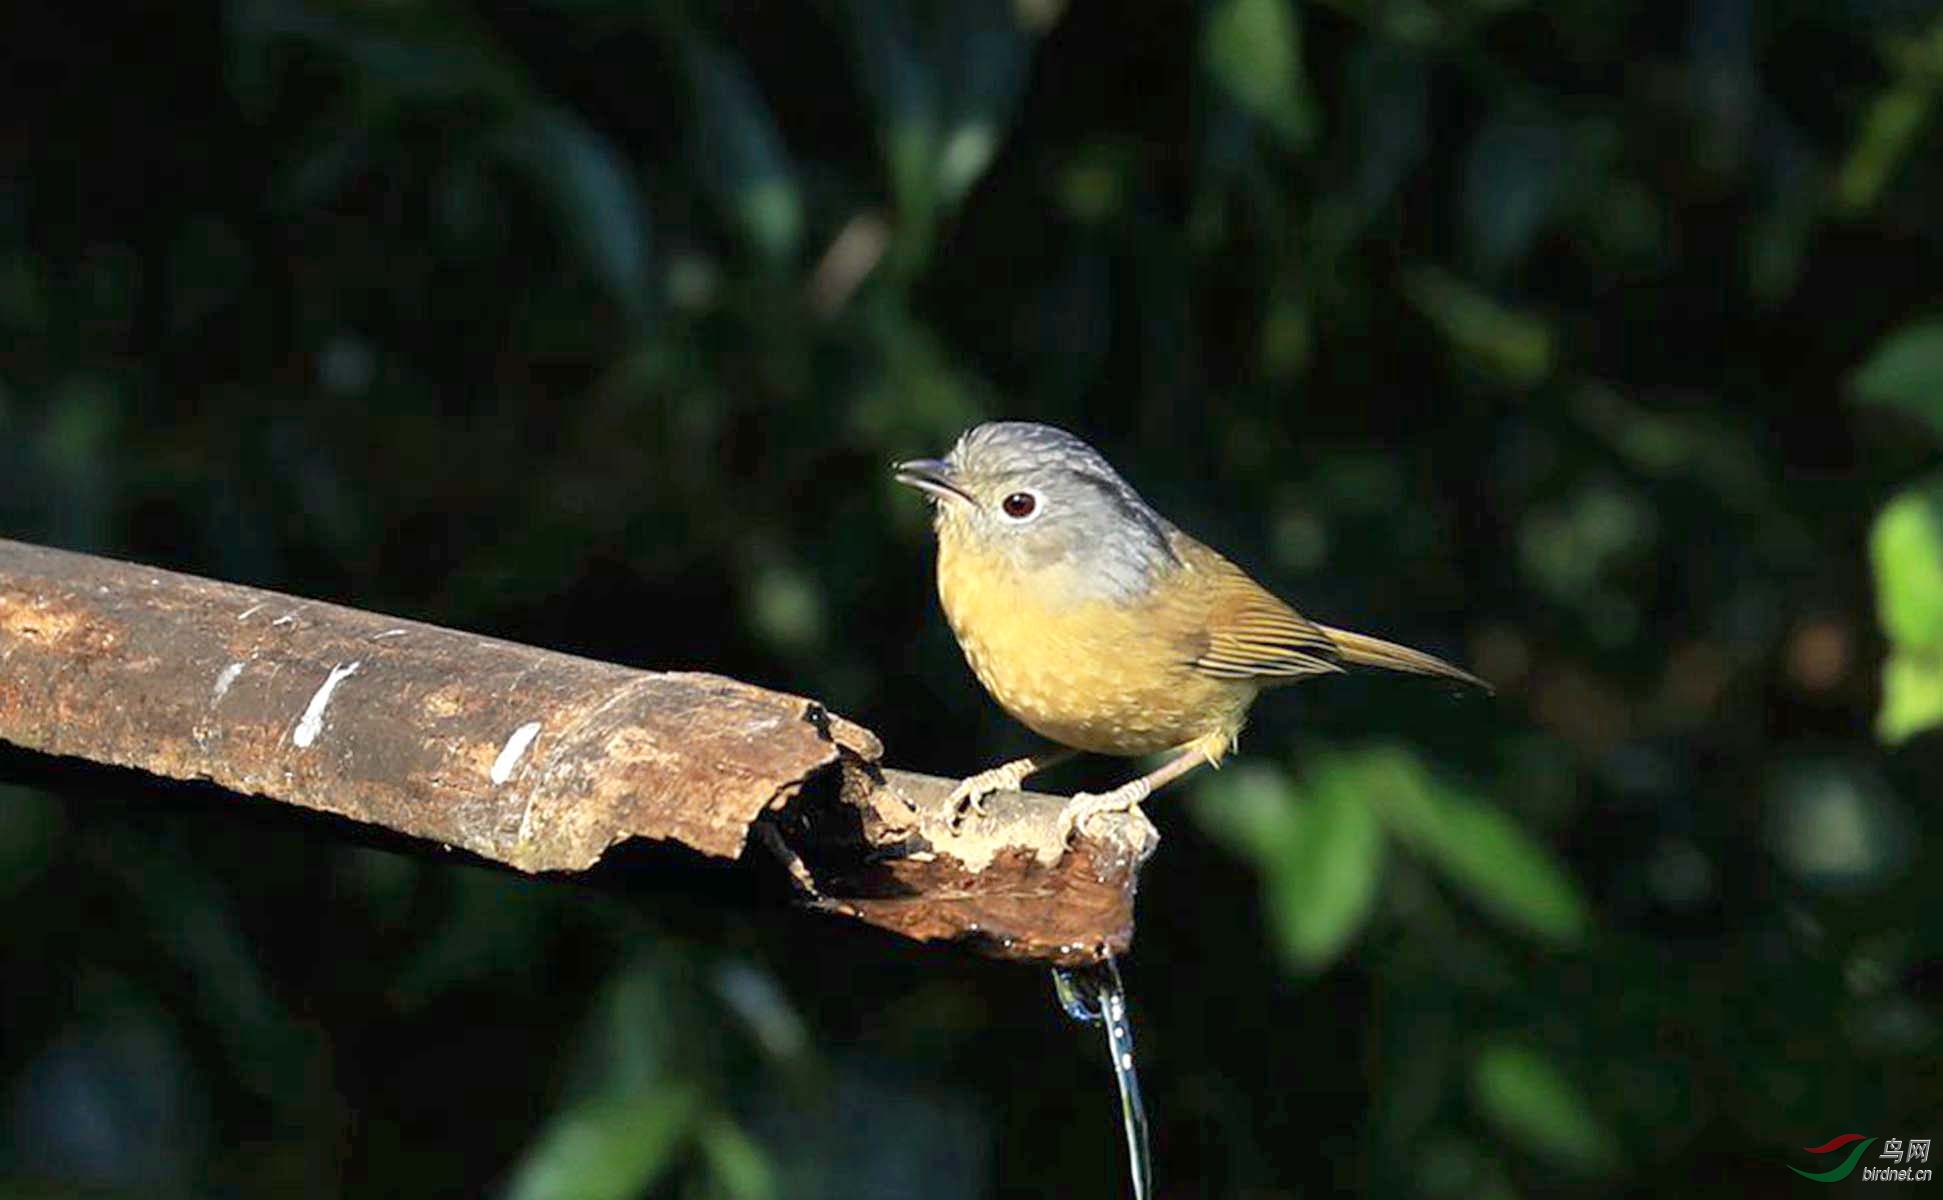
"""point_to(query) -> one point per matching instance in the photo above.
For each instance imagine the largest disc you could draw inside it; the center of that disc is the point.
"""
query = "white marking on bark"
(390, 633)
(312, 722)
(226, 677)
(514, 749)
(252, 610)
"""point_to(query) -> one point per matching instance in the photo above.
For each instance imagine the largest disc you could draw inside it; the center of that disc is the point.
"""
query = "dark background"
(1543, 336)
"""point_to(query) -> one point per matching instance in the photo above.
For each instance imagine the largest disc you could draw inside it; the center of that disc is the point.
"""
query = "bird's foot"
(968, 797)
(1079, 812)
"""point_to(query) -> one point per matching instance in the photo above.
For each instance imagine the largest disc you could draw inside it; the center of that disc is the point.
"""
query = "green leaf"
(1534, 1103)
(1906, 372)
(1906, 548)
(1895, 124)
(1477, 846)
(1912, 696)
(739, 1164)
(1319, 849)
(984, 53)
(1513, 345)
(1253, 49)
(1326, 885)
(1250, 808)
(593, 192)
(610, 1147)
(904, 88)
(741, 153)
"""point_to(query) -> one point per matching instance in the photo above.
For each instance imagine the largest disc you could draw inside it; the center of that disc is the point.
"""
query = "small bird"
(1100, 626)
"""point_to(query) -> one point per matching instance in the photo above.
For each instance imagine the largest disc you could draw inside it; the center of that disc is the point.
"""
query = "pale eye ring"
(1020, 506)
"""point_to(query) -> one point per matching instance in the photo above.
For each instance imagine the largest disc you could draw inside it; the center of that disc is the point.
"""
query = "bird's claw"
(1079, 812)
(964, 804)
(968, 797)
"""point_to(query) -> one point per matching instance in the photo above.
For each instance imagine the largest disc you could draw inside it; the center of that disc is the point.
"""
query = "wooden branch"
(537, 760)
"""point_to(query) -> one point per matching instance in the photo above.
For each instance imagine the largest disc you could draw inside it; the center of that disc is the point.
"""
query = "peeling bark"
(534, 759)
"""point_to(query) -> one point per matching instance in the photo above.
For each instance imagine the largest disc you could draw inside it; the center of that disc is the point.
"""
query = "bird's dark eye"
(1019, 505)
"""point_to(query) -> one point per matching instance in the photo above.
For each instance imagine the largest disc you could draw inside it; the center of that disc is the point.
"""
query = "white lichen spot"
(289, 618)
(510, 753)
(227, 676)
(312, 722)
(252, 610)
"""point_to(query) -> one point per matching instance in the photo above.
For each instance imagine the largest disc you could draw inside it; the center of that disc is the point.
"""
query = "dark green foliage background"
(1538, 335)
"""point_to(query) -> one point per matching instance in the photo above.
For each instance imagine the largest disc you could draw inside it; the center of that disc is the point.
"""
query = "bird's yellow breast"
(1096, 674)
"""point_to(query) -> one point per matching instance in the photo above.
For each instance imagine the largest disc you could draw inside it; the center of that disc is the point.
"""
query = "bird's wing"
(1243, 630)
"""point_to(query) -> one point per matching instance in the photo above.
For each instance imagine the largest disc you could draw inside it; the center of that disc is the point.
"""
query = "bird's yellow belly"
(1091, 675)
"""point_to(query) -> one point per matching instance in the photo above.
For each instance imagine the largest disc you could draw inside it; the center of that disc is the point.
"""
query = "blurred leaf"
(1390, 94)
(194, 922)
(1896, 120)
(1095, 181)
(1250, 808)
(490, 923)
(1835, 824)
(112, 1101)
(741, 153)
(986, 53)
(1445, 1167)
(945, 81)
(1513, 177)
(649, 1027)
(1912, 696)
(1527, 1096)
(785, 606)
(1253, 49)
(1287, 338)
(754, 995)
(1318, 847)
(1477, 847)
(1906, 371)
(1324, 892)
(740, 1166)
(590, 186)
(1575, 547)
(1906, 548)
(609, 1147)
(1778, 239)
(1515, 346)
(921, 395)
(905, 91)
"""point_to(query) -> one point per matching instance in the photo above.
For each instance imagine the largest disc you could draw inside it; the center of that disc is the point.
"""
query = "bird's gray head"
(1042, 498)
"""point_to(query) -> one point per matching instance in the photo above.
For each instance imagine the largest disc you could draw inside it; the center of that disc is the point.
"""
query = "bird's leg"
(1084, 806)
(969, 796)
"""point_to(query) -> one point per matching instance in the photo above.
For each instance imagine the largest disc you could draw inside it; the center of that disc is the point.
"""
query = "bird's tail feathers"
(1366, 651)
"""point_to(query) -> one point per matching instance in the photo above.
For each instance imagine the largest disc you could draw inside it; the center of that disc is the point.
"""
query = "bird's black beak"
(932, 476)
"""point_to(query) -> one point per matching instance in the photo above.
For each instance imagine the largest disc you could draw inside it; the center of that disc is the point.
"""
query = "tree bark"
(537, 760)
